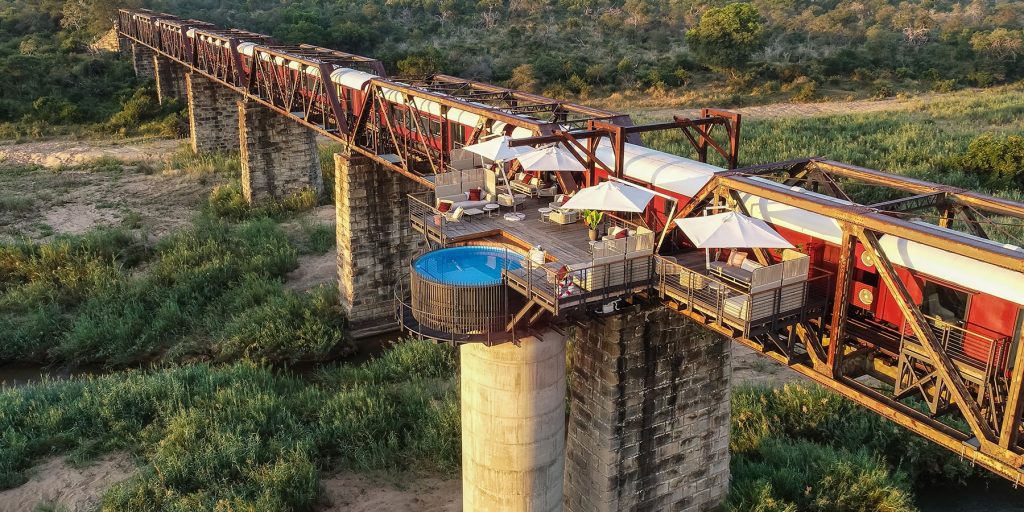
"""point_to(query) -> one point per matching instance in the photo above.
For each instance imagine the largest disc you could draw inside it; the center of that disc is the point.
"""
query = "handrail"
(991, 354)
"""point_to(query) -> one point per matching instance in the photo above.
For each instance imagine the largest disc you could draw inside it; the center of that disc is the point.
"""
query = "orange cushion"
(736, 258)
(444, 206)
(621, 234)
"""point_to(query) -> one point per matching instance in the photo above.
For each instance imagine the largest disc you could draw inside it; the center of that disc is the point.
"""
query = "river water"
(979, 495)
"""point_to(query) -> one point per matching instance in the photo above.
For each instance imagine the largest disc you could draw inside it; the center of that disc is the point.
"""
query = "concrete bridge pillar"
(170, 78)
(212, 115)
(144, 61)
(279, 156)
(376, 241)
(513, 425)
(649, 424)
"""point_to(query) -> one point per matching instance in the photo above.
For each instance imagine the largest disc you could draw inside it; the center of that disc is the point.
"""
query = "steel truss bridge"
(973, 410)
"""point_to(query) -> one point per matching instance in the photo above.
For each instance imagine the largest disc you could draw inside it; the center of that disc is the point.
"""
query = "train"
(974, 306)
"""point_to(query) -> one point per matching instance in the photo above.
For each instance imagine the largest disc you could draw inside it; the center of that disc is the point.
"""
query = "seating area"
(737, 290)
(471, 188)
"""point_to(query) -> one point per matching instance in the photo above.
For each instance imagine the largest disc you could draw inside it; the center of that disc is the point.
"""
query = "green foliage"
(726, 37)
(997, 160)
(227, 201)
(592, 218)
(287, 327)
(241, 436)
(206, 164)
(214, 289)
(327, 153)
(320, 237)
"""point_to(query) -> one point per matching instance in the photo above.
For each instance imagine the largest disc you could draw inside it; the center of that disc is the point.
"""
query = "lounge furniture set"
(744, 291)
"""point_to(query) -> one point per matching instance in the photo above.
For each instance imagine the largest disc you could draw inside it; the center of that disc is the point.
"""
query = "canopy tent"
(614, 196)
(553, 158)
(497, 149)
(731, 229)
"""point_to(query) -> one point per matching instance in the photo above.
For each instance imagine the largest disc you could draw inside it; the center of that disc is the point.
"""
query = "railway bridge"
(901, 295)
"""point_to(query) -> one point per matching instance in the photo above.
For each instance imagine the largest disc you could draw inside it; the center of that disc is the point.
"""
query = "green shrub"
(998, 160)
(228, 201)
(214, 285)
(289, 327)
(327, 153)
(227, 164)
(239, 436)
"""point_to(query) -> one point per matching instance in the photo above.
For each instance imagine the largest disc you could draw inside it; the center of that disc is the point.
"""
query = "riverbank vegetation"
(245, 436)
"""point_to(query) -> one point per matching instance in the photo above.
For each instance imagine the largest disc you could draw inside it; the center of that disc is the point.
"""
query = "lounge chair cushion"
(750, 265)
(736, 258)
(444, 205)
(613, 232)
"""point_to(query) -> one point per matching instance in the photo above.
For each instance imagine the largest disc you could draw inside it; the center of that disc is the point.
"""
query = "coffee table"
(491, 208)
(473, 211)
(545, 213)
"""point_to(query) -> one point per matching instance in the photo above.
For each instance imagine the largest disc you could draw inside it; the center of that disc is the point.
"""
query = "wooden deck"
(564, 243)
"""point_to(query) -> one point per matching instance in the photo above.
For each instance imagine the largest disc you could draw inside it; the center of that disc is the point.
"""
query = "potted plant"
(593, 218)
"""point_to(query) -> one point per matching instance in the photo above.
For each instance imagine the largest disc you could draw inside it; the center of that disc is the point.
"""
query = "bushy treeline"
(241, 437)
(52, 80)
(213, 290)
(598, 46)
(560, 47)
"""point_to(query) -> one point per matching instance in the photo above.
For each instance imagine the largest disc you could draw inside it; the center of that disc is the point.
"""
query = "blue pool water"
(467, 266)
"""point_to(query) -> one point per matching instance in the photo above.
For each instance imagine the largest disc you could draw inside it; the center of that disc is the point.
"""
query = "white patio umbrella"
(728, 230)
(497, 149)
(613, 196)
(731, 229)
(553, 158)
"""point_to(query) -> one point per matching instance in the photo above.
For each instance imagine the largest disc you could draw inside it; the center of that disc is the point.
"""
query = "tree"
(726, 37)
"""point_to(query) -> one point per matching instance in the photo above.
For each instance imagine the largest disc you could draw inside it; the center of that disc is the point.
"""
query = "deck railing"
(427, 219)
(753, 313)
(983, 352)
(561, 288)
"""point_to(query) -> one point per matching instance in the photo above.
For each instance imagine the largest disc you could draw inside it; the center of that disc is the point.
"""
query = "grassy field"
(924, 141)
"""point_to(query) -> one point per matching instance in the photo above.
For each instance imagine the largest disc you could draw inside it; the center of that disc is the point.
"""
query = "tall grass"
(241, 437)
(212, 290)
(924, 142)
(802, 447)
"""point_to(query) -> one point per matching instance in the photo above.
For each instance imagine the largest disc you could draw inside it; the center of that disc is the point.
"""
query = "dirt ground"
(60, 152)
(37, 203)
(359, 493)
(73, 489)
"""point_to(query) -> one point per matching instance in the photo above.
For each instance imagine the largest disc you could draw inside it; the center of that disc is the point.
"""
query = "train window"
(458, 135)
(944, 302)
(435, 127)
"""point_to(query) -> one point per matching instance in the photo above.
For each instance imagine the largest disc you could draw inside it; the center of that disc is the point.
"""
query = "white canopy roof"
(667, 172)
(614, 196)
(553, 158)
(497, 149)
(731, 229)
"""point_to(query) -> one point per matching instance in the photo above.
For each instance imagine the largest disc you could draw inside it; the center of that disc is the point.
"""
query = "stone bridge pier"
(376, 240)
(144, 61)
(212, 115)
(649, 423)
(170, 79)
(279, 156)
